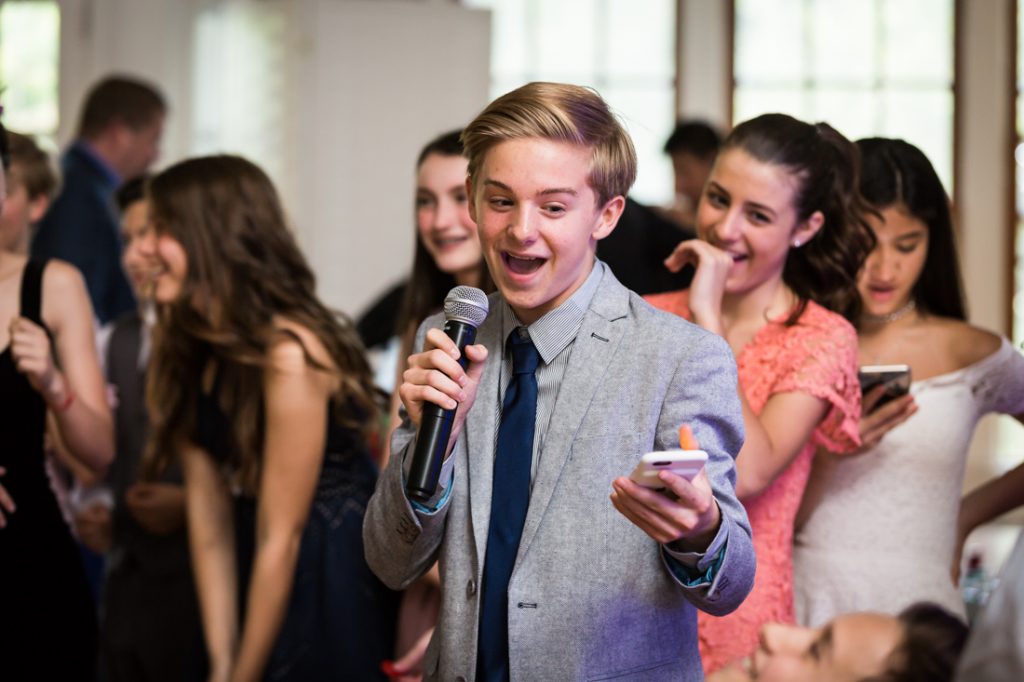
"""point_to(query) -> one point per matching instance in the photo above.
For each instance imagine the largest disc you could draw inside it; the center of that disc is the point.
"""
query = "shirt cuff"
(444, 484)
(694, 569)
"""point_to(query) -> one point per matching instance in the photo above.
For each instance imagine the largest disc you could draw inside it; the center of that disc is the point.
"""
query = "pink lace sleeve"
(825, 366)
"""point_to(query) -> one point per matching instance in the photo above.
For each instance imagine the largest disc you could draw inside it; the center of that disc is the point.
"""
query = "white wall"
(146, 38)
(705, 78)
(380, 79)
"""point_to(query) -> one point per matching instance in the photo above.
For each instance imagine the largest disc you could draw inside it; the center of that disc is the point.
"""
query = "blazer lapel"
(478, 434)
(591, 354)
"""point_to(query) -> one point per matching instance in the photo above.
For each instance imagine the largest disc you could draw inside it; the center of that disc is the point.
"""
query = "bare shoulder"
(61, 277)
(292, 347)
(64, 293)
(967, 344)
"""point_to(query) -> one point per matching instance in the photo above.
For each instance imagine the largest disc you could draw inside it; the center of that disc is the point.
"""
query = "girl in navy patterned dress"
(265, 396)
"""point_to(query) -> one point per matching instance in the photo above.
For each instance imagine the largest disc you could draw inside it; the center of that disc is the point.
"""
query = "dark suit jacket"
(81, 227)
(149, 576)
(637, 248)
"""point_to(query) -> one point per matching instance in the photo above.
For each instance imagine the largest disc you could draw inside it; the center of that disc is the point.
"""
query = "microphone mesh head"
(466, 304)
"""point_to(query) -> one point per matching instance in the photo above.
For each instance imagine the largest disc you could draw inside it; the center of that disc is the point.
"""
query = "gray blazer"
(590, 597)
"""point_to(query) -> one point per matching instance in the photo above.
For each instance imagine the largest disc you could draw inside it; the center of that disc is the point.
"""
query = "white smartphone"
(685, 463)
(896, 379)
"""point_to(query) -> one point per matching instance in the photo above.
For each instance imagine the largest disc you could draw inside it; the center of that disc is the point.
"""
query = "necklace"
(903, 311)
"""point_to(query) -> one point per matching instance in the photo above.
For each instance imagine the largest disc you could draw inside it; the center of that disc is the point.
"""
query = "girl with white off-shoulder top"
(880, 529)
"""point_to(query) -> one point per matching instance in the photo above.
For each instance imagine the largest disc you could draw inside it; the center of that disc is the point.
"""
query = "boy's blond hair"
(563, 113)
(31, 167)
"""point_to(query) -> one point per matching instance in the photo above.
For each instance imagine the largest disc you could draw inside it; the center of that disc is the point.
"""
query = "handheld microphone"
(465, 309)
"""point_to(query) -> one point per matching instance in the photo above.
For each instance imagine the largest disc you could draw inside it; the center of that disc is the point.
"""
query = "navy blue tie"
(510, 497)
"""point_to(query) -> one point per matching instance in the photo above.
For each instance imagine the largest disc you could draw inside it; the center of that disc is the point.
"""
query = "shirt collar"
(108, 171)
(557, 328)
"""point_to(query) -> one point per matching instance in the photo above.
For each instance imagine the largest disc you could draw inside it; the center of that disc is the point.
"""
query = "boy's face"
(139, 243)
(139, 148)
(856, 646)
(539, 221)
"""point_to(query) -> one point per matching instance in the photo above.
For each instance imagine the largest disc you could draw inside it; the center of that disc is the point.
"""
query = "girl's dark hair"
(933, 639)
(896, 174)
(428, 284)
(131, 191)
(826, 166)
(245, 269)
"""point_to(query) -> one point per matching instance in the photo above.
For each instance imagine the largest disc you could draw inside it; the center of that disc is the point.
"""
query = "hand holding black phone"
(895, 378)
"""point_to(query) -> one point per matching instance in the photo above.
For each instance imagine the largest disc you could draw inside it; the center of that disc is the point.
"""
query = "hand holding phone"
(684, 463)
(654, 506)
(895, 378)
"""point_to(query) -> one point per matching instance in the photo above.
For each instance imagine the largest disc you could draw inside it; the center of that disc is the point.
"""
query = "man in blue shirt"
(118, 139)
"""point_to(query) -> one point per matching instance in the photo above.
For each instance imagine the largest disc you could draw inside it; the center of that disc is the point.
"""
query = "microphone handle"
(436, 427)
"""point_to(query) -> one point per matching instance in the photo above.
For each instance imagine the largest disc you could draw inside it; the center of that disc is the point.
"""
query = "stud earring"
(796, 243)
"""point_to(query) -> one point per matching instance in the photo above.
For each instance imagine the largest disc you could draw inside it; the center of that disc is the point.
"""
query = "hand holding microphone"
(440, 385)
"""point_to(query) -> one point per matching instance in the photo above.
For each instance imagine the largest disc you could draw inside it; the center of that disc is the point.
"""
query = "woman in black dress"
(44, 597)
(265, 396)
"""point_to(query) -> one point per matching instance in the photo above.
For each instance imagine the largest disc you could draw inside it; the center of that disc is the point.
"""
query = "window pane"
(630, 25)
(648, 116)
(622, 48)
(29, 48)
(872, 68)
(509, 53)
(844, 51)
(851, 111)
(925, 119)
(565, 42)
(769, 41)
(753, 101)
(239, 73)
(918, 43)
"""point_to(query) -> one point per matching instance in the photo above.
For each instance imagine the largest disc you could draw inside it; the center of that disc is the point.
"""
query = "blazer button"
(470, 588)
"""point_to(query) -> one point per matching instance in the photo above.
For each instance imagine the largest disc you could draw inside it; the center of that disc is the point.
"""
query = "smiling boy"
(553, 564)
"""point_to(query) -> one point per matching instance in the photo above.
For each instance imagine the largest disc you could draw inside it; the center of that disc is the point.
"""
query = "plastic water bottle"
(974, 587)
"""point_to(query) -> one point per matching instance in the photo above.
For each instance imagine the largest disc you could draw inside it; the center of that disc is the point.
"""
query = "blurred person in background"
(149, 627)
(921, 644)
(692, 146)
(781, 236)
(48, 363)
(897, 502)
(118, 138)
(265, 397)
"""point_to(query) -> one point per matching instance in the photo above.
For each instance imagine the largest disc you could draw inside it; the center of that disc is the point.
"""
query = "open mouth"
(881, 290)
(522, 265)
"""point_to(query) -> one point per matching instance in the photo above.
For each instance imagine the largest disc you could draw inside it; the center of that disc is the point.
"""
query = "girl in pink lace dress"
(781, 236)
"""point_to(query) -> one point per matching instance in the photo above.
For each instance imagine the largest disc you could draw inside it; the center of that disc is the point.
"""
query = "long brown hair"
(244, 268)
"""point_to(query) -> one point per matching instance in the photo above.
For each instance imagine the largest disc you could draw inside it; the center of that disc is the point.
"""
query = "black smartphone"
(895, 378)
